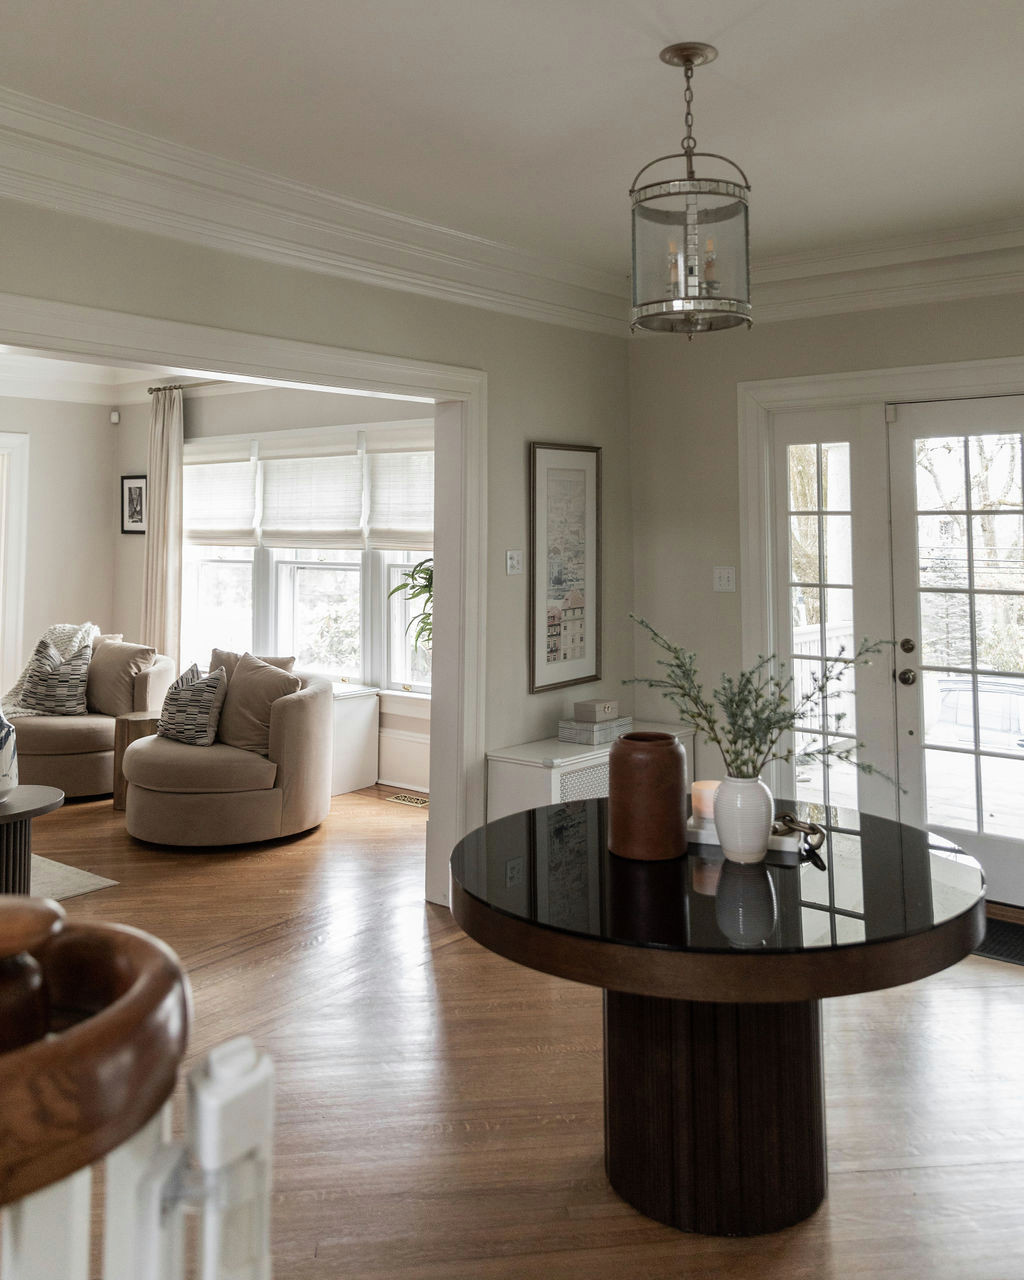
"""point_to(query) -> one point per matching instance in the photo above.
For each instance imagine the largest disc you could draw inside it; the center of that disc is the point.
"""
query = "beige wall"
(545, 383)
(684, 454)
(73, 512)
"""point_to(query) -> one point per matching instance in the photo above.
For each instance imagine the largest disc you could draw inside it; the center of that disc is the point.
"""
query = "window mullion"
(264, 601)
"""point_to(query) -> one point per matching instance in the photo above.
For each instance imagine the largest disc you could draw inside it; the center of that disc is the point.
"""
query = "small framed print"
(133, 504)
(565, 565)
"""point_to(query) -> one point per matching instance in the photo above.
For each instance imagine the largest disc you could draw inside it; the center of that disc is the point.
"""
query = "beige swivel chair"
(222, 795)
(76, 753)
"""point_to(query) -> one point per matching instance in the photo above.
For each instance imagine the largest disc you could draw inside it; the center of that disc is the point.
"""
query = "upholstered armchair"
(76, 753)
(195, 796)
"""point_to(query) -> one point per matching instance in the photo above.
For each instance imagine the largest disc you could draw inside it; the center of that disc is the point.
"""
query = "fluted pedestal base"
(15, 856)
(715, 1113)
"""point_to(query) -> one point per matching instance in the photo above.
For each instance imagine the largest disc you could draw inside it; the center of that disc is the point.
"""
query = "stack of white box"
(595, 723)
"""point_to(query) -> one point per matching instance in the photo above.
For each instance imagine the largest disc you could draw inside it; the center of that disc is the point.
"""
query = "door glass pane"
(949, 789)
(842, 707)
(1000, 624)
(998, 542)
(1001, 715)
(806, 607)
(942, 550)
(805, 672)
(839, 622)
(803, 548)
(842, 782)
(835, 476)
(838, 549)
(948, 706)
(940, 474)
(995, 471)
(803, 477)
(810, 785)
(1002, 794)
(945, 628)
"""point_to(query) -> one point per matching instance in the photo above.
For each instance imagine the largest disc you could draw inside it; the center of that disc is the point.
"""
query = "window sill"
(403, 703)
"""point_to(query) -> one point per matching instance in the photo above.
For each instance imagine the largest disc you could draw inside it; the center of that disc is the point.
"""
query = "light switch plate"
(513, 562)
(724, 577)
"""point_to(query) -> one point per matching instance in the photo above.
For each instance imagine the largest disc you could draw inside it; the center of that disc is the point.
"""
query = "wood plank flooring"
(440, 1109)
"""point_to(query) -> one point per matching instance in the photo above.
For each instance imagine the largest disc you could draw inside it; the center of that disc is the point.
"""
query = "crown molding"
(77, 164)
(978, 262)
(74, 163)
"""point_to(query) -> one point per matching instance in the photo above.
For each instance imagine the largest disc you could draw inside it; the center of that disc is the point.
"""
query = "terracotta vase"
(647, 796)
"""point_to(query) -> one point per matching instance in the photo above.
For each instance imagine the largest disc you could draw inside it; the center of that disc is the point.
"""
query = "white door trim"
(458, 700)
(15, 549)
(757, 401)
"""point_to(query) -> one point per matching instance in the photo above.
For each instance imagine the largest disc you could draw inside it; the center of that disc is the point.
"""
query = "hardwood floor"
(440, 1109)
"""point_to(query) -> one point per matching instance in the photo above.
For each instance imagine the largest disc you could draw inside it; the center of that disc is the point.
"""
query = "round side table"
(17, 810)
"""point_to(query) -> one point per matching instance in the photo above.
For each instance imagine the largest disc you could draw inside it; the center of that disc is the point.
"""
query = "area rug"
(55, 880)
(1002, 941)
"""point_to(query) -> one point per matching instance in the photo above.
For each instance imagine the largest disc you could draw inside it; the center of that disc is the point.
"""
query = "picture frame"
(565, 565)
(134, 506)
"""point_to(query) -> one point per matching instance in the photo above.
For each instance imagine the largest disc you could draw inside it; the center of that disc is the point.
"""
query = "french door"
(958, 612)
(905, 524)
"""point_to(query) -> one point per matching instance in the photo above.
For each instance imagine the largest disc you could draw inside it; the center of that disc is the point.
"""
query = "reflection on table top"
(882, 881)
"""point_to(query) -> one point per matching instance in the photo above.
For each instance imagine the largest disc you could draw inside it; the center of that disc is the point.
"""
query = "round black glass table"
(713, 975)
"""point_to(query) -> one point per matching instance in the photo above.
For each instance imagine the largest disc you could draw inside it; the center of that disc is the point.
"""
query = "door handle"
(907, 645)
(907, 676)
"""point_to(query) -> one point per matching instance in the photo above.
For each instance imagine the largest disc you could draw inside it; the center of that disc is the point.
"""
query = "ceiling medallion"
(691, 254)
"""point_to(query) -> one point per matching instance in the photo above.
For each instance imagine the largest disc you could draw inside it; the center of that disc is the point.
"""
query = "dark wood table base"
(15, 857)
(715, 1113)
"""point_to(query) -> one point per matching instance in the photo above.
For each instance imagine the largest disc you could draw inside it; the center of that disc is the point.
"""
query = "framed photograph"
(133, 504)
(565, 565)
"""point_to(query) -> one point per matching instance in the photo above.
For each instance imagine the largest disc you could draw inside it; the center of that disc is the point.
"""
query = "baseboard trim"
(1003, 911)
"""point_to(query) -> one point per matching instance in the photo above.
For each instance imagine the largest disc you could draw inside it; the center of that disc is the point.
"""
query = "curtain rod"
(187, 386)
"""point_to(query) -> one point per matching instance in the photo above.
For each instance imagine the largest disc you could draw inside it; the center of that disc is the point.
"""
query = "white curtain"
(161, 583)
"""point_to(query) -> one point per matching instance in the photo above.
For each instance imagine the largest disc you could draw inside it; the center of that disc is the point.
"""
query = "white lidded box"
(595, 710)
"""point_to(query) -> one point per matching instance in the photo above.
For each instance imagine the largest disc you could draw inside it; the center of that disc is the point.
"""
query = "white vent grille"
(584, 784)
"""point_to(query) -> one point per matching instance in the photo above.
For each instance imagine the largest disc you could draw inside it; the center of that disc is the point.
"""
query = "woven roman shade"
(313, 502)
(401, 516)
(220, 504)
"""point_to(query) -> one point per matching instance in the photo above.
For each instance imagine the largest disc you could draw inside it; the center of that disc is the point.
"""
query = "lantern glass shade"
(690, 256)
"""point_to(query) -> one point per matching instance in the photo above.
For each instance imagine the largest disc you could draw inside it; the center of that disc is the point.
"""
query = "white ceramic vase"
(744, 812)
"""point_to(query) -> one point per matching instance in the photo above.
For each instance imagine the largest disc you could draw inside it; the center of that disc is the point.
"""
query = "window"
(297, 555)
(216, 600)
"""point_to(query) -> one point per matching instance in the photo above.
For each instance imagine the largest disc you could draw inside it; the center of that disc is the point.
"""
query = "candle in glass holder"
(703, 796)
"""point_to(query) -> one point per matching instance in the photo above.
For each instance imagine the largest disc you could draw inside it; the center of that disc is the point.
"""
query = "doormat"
(55, 880)
(418, 802)
(1002, 941)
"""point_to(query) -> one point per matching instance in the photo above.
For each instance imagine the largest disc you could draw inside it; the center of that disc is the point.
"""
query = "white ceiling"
(525, 120)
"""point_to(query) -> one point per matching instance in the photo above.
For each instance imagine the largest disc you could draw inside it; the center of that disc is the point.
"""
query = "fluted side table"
(16, 813)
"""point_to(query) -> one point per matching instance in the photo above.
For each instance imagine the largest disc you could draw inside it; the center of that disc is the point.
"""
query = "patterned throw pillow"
(192, 707)
(55, 687)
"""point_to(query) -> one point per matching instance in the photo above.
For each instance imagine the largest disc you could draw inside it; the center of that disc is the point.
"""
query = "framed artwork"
(133, 504)
(565, 565)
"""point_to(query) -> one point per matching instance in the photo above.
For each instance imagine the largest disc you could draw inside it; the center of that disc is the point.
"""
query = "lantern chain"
(689, 142)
